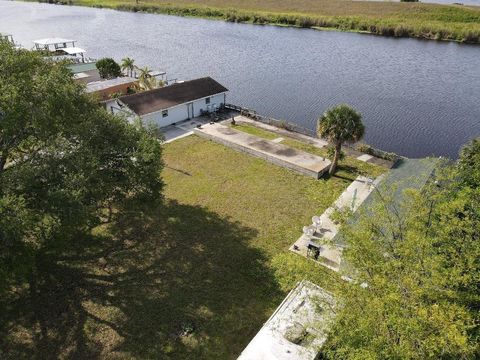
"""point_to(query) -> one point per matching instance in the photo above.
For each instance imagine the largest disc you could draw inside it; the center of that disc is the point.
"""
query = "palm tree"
(145, 80)
(128, 64)
(338, 125)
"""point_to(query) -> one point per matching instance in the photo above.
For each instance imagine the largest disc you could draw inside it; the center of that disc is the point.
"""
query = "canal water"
(417, 97)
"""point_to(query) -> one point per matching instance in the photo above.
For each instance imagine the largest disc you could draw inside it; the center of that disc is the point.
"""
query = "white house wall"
(215, 100)
(113, 107)
(179, 113)
(175, 114)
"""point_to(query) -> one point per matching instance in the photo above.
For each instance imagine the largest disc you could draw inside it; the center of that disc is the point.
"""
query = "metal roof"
(52, 41)
(105, 84)
(77, 68)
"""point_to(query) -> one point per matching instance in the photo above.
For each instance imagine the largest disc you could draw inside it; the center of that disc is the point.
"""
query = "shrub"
(385, 30)
(258, 19)
(108, 68)
(401, 31)
(287, 20)
(439, 35)
(471, 37)
(323, 22)
(231, 17)
(243, 18)
(390, 156)
(283, 124)
(305, 22)
(363, 27)
(365, 148)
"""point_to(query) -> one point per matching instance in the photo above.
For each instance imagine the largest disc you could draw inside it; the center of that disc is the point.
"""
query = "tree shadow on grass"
(175, 282)
(347, 172)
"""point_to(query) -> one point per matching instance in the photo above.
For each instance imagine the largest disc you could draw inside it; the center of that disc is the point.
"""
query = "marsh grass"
(428, 21)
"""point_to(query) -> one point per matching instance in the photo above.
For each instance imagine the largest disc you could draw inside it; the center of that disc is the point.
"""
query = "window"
(207, 100)
(164, 113)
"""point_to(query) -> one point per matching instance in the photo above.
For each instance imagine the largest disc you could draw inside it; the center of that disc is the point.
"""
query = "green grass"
(253, 130)
(214, 258)
(349, 167)
(430, 21)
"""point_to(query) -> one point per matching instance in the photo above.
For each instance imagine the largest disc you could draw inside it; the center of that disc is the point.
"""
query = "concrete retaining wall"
(263, 155)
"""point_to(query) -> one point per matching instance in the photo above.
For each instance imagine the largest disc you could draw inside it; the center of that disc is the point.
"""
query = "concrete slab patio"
(182, 129)
(330, 254)
(281, 155)
(319, 143)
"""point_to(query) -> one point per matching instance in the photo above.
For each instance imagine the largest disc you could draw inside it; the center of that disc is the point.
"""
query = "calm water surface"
(418, 98)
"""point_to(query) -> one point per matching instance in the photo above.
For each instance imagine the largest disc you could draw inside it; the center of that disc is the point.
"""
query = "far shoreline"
(468, 34)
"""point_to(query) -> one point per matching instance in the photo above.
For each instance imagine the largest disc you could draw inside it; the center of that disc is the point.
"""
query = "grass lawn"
(349, 167)
(253, 130)
(193, 278)
(431, 21)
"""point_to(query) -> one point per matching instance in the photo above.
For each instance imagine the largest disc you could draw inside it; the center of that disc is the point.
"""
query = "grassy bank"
(428, 21)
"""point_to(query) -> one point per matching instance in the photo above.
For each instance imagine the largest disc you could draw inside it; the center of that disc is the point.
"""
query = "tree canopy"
(128, 64)
(64, 161)
(418, 263)
(108, 68)
(469, 164)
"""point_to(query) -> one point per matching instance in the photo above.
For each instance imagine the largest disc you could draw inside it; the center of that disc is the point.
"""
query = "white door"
(190, 110)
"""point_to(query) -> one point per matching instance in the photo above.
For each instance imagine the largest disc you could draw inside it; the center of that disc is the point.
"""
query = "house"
(298, 328)
(87, 74)
(106, 89)
(174, 103)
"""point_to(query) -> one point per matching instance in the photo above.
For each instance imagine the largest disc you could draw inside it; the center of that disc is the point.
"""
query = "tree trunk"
(336, 156)
(3, 160)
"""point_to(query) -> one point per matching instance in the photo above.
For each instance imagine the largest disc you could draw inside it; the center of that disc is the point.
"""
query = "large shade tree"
(339, 125)
(64, 161)
(417, 261)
